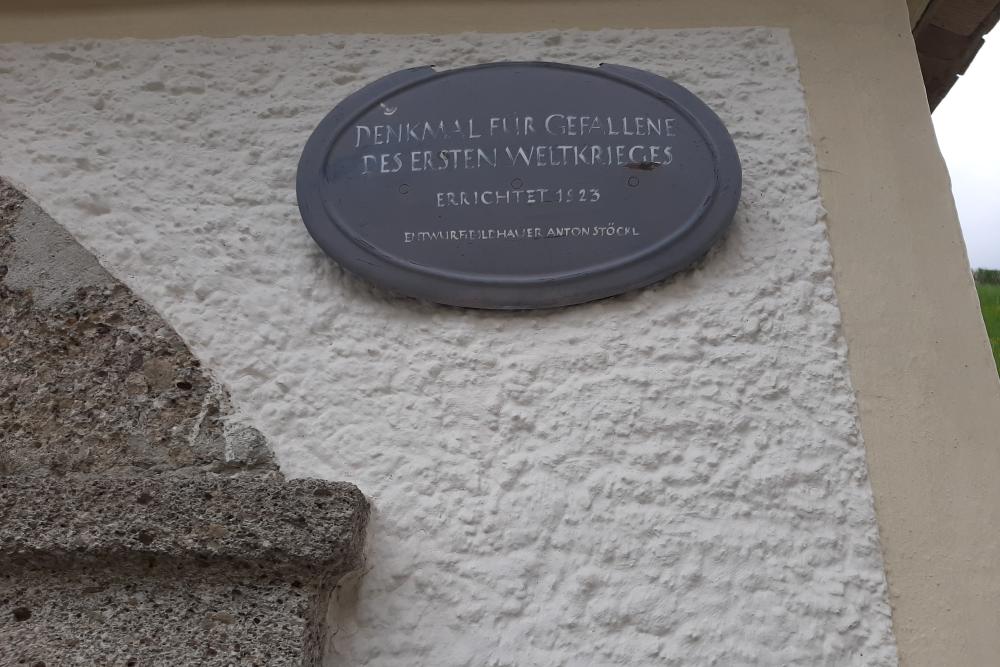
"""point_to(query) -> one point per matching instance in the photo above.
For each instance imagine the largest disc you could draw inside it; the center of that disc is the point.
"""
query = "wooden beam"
(948, 35)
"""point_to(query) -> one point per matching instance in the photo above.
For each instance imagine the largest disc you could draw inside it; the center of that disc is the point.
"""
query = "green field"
(989, 300)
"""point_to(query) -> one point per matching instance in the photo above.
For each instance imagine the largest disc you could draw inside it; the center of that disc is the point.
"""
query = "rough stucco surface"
(674, 476)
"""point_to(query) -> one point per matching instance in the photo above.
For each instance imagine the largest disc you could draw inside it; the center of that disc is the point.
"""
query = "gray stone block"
(141, 521)
(94, 381)
(166, 571)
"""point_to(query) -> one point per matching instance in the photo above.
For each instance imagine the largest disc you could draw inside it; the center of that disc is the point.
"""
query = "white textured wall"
(671, 477)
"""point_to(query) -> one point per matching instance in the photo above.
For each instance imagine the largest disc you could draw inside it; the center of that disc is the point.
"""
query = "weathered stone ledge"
(298, 523)
(157, 571)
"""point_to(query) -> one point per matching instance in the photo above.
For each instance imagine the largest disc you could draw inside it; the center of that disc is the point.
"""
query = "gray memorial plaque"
(518, 185)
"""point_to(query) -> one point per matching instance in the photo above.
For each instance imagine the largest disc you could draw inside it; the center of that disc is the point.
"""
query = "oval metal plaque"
(518, 185)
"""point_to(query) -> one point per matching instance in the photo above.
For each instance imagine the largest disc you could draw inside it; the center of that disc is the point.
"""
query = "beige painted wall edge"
(919, 356)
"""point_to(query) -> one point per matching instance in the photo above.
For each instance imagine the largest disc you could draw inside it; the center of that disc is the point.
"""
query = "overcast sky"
(967, 123)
